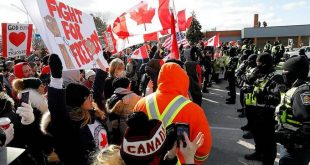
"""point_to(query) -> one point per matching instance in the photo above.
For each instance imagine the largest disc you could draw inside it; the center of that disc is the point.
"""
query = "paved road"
(228, 145)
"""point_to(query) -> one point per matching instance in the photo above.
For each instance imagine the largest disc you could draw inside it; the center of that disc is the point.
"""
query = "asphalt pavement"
(228, 147)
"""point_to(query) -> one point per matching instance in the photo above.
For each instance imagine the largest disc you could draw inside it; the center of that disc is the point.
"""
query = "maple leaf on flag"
(143, 15)
(104, 141)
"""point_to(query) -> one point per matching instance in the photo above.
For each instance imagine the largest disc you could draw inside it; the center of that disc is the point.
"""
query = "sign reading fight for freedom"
(16, 39)
(67, 32)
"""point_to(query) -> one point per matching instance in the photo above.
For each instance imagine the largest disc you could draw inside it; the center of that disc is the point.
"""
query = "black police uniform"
(231, 67)
(293, 114)
(265, 97)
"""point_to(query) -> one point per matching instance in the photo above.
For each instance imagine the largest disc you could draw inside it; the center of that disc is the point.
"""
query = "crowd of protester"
(97, 116)
(122, 115)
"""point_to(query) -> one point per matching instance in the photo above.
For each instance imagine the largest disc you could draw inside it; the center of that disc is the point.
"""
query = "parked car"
(289, 54)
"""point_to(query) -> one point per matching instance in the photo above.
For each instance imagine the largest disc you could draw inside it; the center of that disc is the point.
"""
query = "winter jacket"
(119, 106)
(124, 106)
(74, 143)
(173, 81)
(25, 136)
(108, 88)
(98, 87)
(195, 84)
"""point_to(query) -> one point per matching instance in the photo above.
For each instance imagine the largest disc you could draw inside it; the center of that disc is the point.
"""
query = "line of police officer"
(277, 106)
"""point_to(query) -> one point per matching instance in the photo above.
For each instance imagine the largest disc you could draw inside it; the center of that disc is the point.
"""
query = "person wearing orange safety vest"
(170, 104)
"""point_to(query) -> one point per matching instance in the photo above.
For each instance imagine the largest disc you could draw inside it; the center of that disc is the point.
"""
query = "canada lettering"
(150, 146)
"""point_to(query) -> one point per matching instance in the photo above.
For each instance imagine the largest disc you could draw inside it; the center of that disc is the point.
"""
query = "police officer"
(250, 77)
(231, 67)
(245, 69)
(275, 51)
(265, 97)
(293, 114)
(267, 47)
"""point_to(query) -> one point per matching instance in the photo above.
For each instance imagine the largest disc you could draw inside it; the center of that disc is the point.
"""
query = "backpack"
(114, 99)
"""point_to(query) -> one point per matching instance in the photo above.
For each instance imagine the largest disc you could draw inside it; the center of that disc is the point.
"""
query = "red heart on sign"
(17, 38)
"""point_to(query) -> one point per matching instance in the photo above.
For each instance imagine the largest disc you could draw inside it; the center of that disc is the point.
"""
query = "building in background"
(225, 36)
(298, 35)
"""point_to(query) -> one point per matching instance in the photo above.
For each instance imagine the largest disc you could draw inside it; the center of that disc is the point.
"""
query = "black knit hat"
(265, 58)
(76, 94)
(33, 83)
(144, 139)
(298, 66)
(232, 52)
(121, 82)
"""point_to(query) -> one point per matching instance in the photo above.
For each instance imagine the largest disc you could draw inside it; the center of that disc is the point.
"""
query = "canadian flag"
(147, 17)
(189, 22)
(214, 41)
(140, 53)
(182, 20)
(110, 40)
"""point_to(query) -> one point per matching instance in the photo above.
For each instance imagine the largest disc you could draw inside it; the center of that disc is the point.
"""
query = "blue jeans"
(295, 157)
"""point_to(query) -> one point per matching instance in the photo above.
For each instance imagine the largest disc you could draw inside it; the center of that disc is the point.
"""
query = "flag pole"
(175, 48)
(175, 16)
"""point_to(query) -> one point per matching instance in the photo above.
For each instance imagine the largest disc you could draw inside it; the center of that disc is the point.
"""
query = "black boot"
(230, 101)
(254, 156)
(242, 115)
(240, 110)
(205, 91)
(245, 128)
(248, 135)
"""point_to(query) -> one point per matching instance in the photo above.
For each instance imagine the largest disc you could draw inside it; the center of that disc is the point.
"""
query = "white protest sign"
(16, 39)
(68, 32)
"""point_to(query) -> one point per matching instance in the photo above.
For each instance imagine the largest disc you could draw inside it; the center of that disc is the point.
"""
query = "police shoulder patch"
(305, 98)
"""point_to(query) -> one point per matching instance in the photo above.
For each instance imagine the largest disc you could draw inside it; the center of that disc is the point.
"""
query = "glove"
(26, 113)
(55, 66)
(272, 100)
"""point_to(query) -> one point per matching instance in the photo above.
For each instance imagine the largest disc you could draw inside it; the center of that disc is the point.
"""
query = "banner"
(68, 32)
(16, 39)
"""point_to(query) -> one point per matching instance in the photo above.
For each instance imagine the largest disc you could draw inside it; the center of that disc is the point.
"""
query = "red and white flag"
(147, 17)
(140, 53)
(174, 48)
(182, 20)
(189, 22)
(214, 41)
(110, 40)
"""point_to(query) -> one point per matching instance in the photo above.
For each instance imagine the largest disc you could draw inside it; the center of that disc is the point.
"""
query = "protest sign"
(68, 32)
(16, 39)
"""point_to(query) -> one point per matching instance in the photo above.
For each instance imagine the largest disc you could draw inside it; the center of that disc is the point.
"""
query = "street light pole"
(26, 12)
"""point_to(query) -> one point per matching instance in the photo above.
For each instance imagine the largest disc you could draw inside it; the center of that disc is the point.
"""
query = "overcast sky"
(219, 14)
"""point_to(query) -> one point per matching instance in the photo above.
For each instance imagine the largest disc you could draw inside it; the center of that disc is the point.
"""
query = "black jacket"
(108, 88)
(98, 87)
(74, 143)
